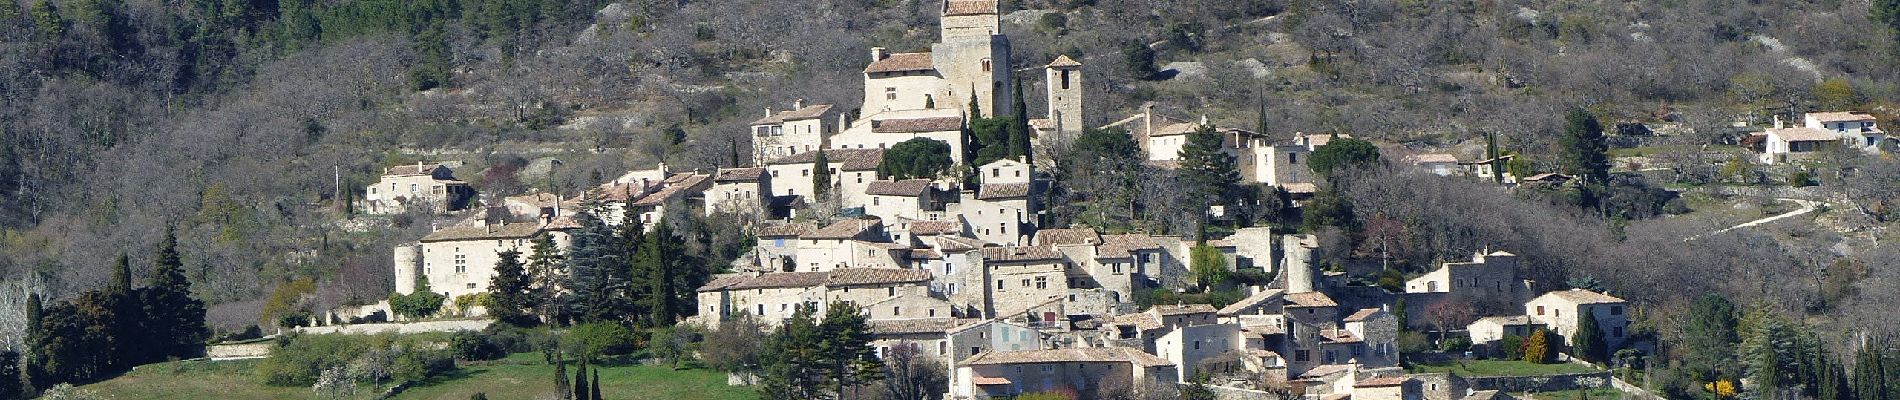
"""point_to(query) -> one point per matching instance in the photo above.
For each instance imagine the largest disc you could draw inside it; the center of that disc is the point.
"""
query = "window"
(996, 172)
(943, 347)
(1046, 368)
(1026, 282)
(804, 172)
(1042, 282)
(761, 310)
(1065, 79)
(1357, 351)
(975, 349)
(999, 284)
(1115, 268)
(1300, 356)
(890, 93)
(874, 201)
(1197, 345)
(986, 65)
(897, 311)
(1292, 158)
(931, 312)
(1616, 332)
(471, 285)
(1540, 310)
(1616, 310)
(891, 291)
(412, 188)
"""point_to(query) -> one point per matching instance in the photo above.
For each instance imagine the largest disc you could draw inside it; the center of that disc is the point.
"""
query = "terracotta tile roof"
(1124, 246)
(989, 380)
(1020, 253)
(1361, 315)
(1841, 116)
(723, 281)
(1002, 191)
(787, 229)
(1064, 61)
(1513, 320)
(1324, 370)
(1382, 382)
(1317, 140)
(1251, 301)
(1172, 310)
(1341, 336)
(1264, 330)
(1088, 354)
(620, 191)
(413, 169)
(863, 161)
(900, 62)
(846, 229)
(740, 174)
(907, 188)
(957, 244)
(1805, 134)
(536, 200)
(832, 155)
(925, 254)
(1141, 321)
(875, 276)
(1431, 158)
(917, 125)
(1300, 188)
(968, 7)
(680, 184)
(1310, 299)
(562, 223)
(814, 111)
(1581, 296)
(942, 227)
(911, 326)
(1069, 236)
(505, 231)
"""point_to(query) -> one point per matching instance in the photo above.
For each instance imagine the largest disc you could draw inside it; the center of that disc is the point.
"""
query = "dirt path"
(1807, 206)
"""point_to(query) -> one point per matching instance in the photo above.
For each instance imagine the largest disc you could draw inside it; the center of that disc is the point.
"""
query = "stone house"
(1560, 310)
(1085, 370)
(422, 185)
(743, 191)
(1491, 329)
(851, 171)
(1019, 277)
(1388, 388)
(776, 296)
(887, 129)
(850, 243)
(905, 199)
(1784, 144)
(800, 129)
(777, 248)
(1492, 276)
(535, 206)
(1001, 213)
(1857, 129)
(1440, 164)
(461, 260)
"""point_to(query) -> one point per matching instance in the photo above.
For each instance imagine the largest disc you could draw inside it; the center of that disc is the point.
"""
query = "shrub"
(475, 346)
(1800, 179)
(298, 359)
(416, 364)
(1455, 344)
(596, 339)
(1413, 342)
(1511, 347)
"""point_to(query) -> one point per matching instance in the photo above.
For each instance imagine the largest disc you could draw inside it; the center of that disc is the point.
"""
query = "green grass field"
(1499, 368)
(1581, 394)
(521, 376)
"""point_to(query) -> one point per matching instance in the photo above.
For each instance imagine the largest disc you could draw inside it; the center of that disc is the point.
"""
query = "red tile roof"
(907, 187)
(1064, 61)
(1087, 354)
(968, 7)
(1020, 253)
(1002, 191)
(815, 111)
(740, 174)
(917, 125)
(901, 62)
(846, 229)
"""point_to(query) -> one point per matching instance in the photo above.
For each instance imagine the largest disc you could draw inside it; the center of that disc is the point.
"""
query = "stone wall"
(1541, 383)
(1228, 393)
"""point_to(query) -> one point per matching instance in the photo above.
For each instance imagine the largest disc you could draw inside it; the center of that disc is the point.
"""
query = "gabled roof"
(487, 232)
(917, 125)
(939, 227)
(1433, 158)
(1362, 314)
(901, 62)
(1805, 134)
(1255, 300)
(1382, 382)
(786, 229)
(1063, 61)
(1513, 320)
(1310, 299)
(907, 188)
(968, 7)
(1841, 116)
(845, 156)
(1019, 253)
(837, 277)
(739, 174)
(1088, 354)
(1067, 236)
(912, 326)
(542, 200)
(1124, 245)
(1002, 191)
(1581, 296)
(1166, 310)
(846, 229)
(679, 184)
(957, 244)
(413, 169)
(814, 111)
(875, 276)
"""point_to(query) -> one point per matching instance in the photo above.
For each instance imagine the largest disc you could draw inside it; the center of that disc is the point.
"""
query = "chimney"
(1777, 121)
(768, 112)
(844, 122)
(798, 104)
(1203, 119)
(1147, 119)
(879, 54)
(663, 172)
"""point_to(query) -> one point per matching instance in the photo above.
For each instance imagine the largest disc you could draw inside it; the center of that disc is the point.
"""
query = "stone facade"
(460, 260)
(430, 186)
(1560, 311)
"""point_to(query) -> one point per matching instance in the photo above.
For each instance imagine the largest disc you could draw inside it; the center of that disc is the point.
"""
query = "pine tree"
(846, 345)
(794, 365)
(544, 271)
(596, 272)
(1710, 337)
(1588, 342)
(176, 319)
(1584, 147)
(510, 295)
(820, 176)
(1208, 172)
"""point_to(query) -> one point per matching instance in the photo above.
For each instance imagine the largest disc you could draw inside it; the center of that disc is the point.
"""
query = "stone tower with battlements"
(972, 55)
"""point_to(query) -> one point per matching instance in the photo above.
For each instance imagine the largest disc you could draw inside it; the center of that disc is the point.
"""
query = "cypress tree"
(121, 275)
(1019, 130)
(596, 390)
(580, 383)
(1588, 343)
(657, 267)
(820, 176)
(1537, 348)
(560, 376)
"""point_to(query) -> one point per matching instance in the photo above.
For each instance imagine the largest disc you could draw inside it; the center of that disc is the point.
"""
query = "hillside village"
(973, 225)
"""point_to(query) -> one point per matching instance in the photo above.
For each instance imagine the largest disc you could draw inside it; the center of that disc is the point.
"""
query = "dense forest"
(246, 126)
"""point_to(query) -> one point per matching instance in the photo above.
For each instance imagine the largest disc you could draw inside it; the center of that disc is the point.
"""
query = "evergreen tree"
(30, 349)
(595, 395)
(1833, 381)
(597, 273)
(421, 303)
(846, 346)
(121, 275)
(1209, 173)
(1019, 130)
(1197, 389)
(820, 176)
(794, 366)
(660, 270)
(545, 270)
(1710, 337)
(510, 293)
(1537, 348)
(560, 376)
(174, 319)
(1491, 153)
(10, 379)
(1584, 148)
(1342, 153)
(1870, 372)
(1587, 343)
(581, 388)
(46, 16)
(915, 158)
